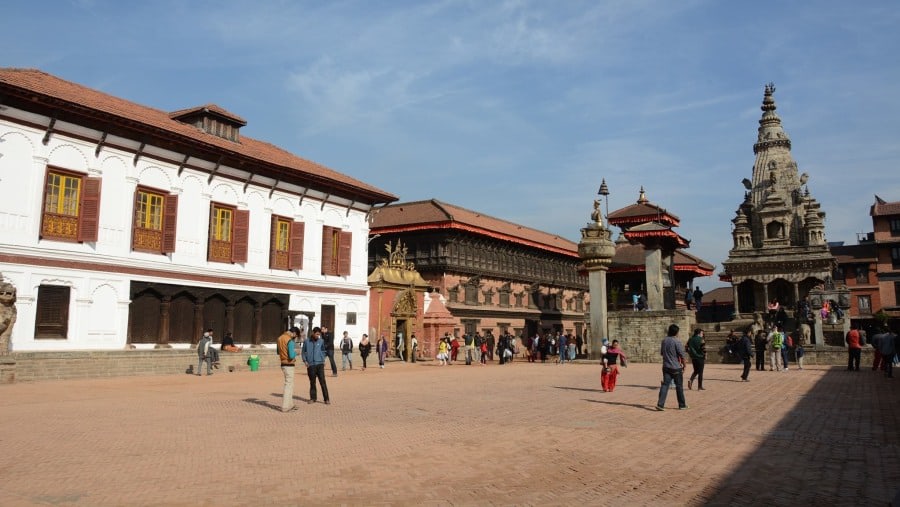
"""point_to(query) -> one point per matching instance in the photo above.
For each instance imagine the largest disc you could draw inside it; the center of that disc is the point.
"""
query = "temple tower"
(779, 249)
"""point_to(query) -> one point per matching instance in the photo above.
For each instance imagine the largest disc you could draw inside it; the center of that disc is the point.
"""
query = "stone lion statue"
(758, 324)
(7, 313)
(805, 333)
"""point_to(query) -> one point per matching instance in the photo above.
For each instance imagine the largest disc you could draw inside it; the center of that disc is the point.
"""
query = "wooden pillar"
(198, 321)
(163, 339)
(257, 328)
(229, 317)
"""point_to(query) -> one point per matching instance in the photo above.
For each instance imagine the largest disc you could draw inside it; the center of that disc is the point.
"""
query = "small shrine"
(401, 304)
(650, 246)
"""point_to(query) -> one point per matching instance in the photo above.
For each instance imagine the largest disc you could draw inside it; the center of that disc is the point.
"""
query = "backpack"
(789, 341)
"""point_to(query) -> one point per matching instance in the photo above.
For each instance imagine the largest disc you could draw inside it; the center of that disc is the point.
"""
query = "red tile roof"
(849, 254)
(36, 85)
(640, 213)
(631, 257)
(434, 214)
(882, 207)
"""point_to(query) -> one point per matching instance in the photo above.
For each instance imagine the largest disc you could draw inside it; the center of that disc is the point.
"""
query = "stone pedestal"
(654, 272)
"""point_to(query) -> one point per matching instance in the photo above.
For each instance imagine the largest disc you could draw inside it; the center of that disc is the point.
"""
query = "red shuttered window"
(229, 231)
(336, 248)
(155, 221)
(286, 250)
(71, 210)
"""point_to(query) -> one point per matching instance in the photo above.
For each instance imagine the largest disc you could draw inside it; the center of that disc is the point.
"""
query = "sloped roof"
(630, 257)
(642, 211)
(882, 207)
(656, 230)
(849, 254)
(434, 214)
(35, 85)
(208, 108)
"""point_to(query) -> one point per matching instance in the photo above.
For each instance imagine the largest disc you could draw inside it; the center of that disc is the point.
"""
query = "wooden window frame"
(148, 239)
(84, 225)
(336, 251)
(235, 249)
(52, 299)
(290, 258)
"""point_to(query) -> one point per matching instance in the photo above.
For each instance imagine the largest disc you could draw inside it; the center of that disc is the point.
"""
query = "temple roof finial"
(642, 199)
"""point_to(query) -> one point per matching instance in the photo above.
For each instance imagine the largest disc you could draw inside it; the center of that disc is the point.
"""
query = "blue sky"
(516, 109)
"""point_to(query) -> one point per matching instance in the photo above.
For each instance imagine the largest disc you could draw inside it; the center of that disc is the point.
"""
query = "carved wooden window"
(336, 248)
(71, 210)
(351, 318)
(504, 299)
(519, 296)
(896, 292)
(286, 250)
(862, 273)
(864, 303)
(471, 295)
(895, 257)
(229, 230)
(52, 315)
(154, 223)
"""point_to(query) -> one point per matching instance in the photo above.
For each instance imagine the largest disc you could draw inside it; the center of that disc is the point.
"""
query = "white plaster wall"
(98, 311)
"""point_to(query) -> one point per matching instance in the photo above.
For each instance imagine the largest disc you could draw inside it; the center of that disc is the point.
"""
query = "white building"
(122, 225)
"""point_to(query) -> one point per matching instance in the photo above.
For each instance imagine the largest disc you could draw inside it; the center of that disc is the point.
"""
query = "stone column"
(737, 303)
(256, 339)
(596, 252)
(653, 269)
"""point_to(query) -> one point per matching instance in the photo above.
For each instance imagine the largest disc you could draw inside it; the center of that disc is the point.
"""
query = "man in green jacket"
(696, 348)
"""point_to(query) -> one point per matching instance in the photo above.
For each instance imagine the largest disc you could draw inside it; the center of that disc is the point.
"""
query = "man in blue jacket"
(313, 355)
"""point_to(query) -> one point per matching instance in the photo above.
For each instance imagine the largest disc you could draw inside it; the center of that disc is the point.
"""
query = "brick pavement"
(524, 434)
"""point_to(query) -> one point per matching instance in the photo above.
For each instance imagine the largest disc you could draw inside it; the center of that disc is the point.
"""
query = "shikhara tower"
(779, 249)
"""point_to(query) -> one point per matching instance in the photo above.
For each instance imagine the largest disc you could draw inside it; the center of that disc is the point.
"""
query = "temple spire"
(642, 198)
(770, 132)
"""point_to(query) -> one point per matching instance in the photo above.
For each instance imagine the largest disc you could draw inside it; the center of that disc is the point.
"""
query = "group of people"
(208, 354)
(564, 346)
(886, 345)
(693, 299)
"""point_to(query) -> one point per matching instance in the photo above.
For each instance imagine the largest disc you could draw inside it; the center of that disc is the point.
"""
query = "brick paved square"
(523, 434)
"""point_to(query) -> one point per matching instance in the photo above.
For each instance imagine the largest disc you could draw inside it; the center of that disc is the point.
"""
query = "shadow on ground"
(828, 463)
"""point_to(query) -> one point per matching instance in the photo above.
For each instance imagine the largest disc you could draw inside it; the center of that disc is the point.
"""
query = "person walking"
(346, 351)
(611, 360)
(745, 352)
(672, 353)
(414, 348)
(381, 348)
(327, 340)
(365, 348)
(205, 351)
(454, 347)
(469, 342)
(696, 348)
(698, 298)
(888, 347)
(776, 342)
(313, 355)
(854, 349)
(443, 352)
(287, 354)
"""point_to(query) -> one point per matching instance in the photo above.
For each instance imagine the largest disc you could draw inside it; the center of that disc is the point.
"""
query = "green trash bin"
(253, 361)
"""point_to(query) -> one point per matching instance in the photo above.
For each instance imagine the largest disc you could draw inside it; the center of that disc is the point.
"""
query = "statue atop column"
(7, 314)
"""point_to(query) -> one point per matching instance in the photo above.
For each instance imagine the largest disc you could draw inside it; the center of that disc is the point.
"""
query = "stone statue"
(805, 334)
(596, 217)
(758, 324)
(7, 314)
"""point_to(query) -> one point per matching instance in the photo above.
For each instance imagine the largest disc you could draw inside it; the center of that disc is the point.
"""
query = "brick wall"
(639, 333)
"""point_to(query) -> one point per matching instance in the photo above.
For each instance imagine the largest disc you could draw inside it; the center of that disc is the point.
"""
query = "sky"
(517, 109)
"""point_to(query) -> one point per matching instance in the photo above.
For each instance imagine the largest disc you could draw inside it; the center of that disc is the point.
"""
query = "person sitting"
(228, 344)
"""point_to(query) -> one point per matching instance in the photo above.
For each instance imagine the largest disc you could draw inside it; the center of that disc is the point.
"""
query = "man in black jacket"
(328, 338)
(745, 352)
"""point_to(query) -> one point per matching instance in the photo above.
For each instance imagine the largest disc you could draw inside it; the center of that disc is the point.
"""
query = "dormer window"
(212, 119)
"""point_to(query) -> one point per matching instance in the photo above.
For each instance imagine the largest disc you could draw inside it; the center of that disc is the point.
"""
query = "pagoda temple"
(650, 256)
(779, 249)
